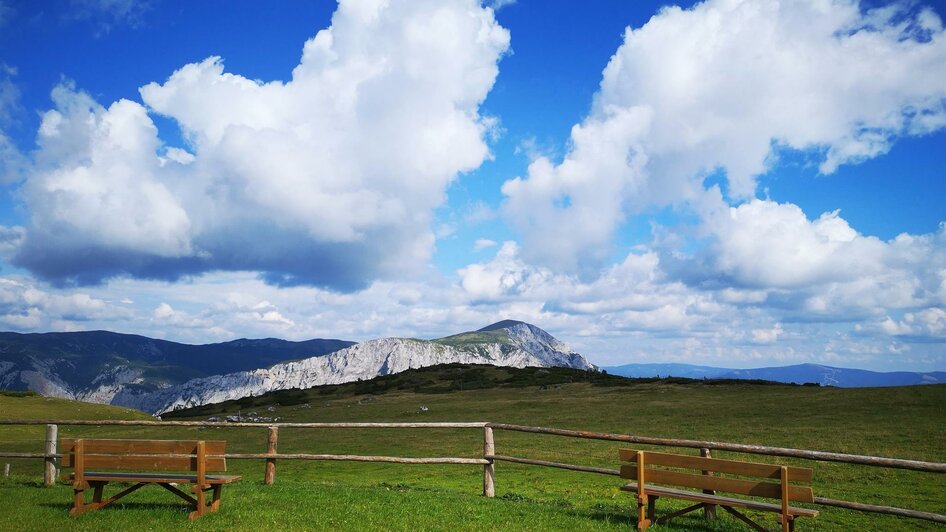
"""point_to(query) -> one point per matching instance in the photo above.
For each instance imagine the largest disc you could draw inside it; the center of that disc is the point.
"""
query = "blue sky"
(734, 183)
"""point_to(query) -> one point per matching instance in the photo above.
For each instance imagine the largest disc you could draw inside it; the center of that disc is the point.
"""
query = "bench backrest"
(764, 480)
(142, 455)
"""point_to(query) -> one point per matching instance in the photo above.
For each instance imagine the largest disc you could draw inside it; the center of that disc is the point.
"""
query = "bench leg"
(215, 502)
(642, 521)
(78, 503)
(97, 494)
(201, 503)
(709, 510)
(651, 507)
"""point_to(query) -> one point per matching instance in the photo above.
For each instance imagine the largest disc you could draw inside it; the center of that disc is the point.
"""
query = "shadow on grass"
(627, 515)
(606, 516)
(134, 506)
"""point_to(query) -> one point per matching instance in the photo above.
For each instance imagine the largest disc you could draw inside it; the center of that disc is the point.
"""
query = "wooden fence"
(489, 456)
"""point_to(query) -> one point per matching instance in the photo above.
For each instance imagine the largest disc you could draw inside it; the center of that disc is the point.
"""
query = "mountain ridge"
(798, 373)
(94, 365)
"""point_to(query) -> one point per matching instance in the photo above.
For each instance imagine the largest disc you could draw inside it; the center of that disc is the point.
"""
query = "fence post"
(6, 470)
(270, 475)
(49, 471)
(489, 471)
(709, 510)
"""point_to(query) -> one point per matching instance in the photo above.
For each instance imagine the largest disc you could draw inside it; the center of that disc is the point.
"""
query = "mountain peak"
(504, 324)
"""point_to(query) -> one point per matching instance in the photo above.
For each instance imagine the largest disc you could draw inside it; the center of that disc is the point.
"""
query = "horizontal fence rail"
(489, 456)
(896, 463)
(357, 458)
(135, 423)
(877, 509)
(558, 465)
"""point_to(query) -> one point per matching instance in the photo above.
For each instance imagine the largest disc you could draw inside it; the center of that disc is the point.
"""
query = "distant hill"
(664, 370)
(800, 373)
(94, 366)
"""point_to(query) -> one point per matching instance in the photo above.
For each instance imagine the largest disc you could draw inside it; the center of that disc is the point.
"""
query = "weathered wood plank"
(558, 465)
(730, 467)
(49, 469)
(489, 469)
(359, 458)
(269, 476)
(137, 423)
(879, 509)
(108, 446)
(729, 485)
(201, 483)
(709, 510)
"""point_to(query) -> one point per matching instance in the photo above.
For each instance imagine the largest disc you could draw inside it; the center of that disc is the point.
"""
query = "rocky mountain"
(507, 343)
(799, 373)
(95, 366)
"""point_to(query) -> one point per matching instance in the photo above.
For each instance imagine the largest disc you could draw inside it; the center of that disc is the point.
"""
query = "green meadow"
(908, 422)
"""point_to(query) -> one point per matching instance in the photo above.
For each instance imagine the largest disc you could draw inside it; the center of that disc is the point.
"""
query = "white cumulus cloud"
(725, 86)
(326, 179)
(483, 243)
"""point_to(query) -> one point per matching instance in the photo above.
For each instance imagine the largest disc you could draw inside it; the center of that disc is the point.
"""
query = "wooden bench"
(142, 462)
(650, 468)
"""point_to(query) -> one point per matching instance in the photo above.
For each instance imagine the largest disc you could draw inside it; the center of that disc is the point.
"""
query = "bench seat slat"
(730, 485)
(718, 499)
(716, 465)
(96, 476)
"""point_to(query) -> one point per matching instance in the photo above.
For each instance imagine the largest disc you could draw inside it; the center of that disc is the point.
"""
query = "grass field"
(898, 422)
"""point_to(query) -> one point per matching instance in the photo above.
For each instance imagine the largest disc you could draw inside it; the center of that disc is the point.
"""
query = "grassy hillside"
(499, 336)
(29, 405)
(900, 422)
(445, 378)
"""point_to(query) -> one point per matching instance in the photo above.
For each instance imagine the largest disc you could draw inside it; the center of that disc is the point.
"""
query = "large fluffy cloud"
(819, 269)
(725, 86)
(327, 179)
